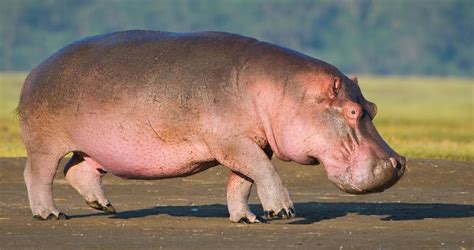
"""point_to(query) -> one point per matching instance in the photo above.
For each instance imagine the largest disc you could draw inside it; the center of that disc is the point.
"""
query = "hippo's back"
(134, 66)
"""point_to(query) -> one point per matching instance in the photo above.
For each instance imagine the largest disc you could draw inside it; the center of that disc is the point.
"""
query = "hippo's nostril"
(403, 160)
(395, 163)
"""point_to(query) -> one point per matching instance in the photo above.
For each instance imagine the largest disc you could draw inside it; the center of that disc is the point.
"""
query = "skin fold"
(154, 105)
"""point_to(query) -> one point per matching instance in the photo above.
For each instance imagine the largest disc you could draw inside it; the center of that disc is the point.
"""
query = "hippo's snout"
(371, 176)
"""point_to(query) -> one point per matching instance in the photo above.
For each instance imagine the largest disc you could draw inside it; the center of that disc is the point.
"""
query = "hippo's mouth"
(377, 180)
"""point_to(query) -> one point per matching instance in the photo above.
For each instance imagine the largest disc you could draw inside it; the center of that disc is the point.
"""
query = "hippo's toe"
(60, 216)
(244, 220)
(107, 208)
(283, 214)
(258, 219)
(269, 214)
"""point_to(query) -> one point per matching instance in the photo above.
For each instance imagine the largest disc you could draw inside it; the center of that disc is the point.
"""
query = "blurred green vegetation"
(10, 138)
(398, 37)
(424, 117)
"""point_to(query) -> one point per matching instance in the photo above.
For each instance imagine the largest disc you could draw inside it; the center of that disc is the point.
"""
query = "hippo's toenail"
(94, 205)
(283, 214)
(109, 209)
(244, 220)
(291, 212)
(269, 214)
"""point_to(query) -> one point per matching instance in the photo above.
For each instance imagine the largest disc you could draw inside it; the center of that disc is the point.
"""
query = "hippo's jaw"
(367, 171)
(381, 177)
(360, 161)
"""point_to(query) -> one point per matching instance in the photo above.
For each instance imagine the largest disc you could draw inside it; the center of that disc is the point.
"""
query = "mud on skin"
(154, 105)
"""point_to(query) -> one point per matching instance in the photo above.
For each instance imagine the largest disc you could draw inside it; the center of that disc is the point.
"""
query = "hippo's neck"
(268, 77)
(263, 79)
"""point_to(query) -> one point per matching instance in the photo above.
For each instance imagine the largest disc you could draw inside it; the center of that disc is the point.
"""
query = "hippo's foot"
(86, 178)
(39, 174)
(245, 216)
(238, 190)
(52, 216)
(283, 214)
(108, 208)
(277, 205)
(257, 219)
(271, 191)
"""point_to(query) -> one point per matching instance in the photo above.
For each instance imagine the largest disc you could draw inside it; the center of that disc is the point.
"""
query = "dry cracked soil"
(431, 207)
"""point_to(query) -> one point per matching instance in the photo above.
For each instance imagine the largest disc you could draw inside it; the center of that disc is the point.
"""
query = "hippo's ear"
(354, 79)
(336, 86)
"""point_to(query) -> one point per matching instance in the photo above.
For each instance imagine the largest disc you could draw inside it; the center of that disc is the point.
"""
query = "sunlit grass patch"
(10, 141)
(424, 116)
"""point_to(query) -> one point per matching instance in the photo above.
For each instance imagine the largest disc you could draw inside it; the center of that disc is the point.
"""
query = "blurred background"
(423, 37)
(415, 59)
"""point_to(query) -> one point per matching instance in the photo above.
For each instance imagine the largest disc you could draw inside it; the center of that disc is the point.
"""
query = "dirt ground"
(431, 207)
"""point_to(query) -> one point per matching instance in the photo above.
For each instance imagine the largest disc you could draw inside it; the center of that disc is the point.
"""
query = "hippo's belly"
(135, 152)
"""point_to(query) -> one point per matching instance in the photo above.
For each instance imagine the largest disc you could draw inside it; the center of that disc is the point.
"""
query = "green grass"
(418, 116)
(10, 140)
(424, 117)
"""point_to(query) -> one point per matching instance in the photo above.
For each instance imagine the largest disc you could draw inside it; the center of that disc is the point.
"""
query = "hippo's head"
(328, 120)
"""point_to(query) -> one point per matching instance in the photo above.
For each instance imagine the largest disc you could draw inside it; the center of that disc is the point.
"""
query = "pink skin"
(359, 161)
(85, 175)
(276, 101)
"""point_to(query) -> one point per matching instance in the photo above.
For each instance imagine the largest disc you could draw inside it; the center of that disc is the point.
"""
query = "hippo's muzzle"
(371, 176)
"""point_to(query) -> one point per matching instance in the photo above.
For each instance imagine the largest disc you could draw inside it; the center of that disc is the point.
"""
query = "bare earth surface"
(431, 207)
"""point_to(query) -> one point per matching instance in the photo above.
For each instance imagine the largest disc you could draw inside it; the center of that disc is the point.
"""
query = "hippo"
(152, 105)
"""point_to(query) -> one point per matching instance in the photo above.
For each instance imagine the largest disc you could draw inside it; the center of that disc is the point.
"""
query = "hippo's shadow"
(310, 212)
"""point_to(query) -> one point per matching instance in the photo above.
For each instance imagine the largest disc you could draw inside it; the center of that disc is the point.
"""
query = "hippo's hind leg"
(86, 178)
(39, 174)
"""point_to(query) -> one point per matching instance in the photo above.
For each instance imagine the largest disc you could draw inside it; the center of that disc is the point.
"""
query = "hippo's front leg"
(249, 160)
(238, 191)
